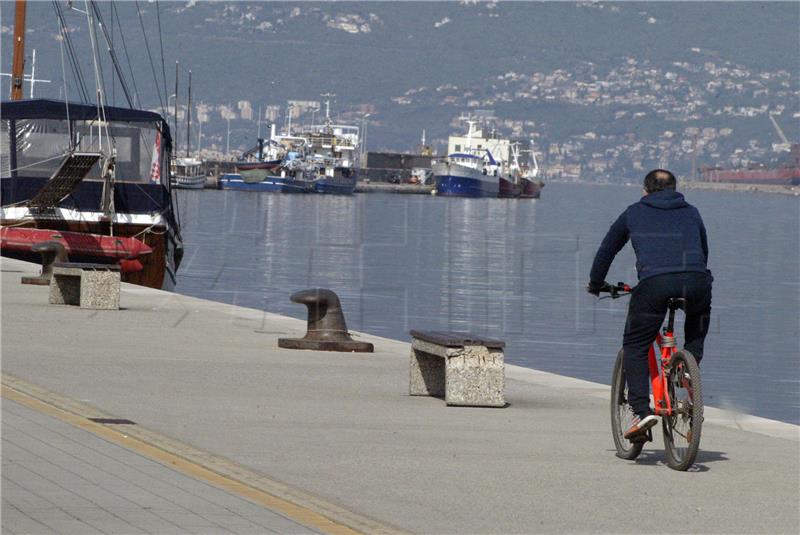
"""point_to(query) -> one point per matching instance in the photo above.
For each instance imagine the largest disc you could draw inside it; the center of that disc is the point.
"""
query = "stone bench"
(93, 286)
(464, 369)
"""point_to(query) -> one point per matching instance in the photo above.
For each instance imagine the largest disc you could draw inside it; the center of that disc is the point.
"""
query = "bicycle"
(676, 389)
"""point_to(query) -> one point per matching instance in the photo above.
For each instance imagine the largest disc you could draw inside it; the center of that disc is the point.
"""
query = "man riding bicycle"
(669, 239)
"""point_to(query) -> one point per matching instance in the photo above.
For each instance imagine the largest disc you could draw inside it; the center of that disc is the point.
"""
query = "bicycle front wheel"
(621, 413)
(682, 428)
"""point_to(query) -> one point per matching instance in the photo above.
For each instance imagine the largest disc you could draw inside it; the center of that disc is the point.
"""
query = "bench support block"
(96, 289)
(471, 375)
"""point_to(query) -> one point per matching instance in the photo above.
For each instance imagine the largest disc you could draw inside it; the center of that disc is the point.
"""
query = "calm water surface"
(511, 269)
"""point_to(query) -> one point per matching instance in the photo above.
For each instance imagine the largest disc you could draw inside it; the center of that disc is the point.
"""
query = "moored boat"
(60, 174)
(188, 174)
(329, 155)
(785, 173)
(470, 170)
(465, 175)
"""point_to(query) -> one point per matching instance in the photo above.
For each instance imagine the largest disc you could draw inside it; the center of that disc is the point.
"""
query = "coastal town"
(701, 113)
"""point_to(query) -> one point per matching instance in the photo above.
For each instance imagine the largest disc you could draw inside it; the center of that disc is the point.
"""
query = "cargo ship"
(787, 174)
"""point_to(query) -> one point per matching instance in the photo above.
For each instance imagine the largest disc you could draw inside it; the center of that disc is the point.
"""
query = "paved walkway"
(336, 434)
(58, 478)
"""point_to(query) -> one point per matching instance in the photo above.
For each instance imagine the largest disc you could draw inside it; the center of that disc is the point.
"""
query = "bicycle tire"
(683, 428)
(621, 414)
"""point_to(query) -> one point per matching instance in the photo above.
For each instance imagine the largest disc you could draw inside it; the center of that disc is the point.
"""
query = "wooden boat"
(55, 175)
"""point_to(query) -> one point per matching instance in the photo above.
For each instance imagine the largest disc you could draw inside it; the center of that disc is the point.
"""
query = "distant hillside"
(377, 52)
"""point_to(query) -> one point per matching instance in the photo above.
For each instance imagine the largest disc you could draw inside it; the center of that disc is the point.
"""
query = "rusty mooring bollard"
(327, 330)
(51, 252)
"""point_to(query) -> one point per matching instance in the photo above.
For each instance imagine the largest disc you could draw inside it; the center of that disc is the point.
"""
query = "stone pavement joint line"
(217, 471)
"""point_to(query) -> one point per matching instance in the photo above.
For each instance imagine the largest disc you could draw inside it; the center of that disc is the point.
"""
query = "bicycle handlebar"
(616, 290)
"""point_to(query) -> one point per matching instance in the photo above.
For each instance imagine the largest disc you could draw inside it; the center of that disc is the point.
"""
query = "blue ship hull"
(273, 184)
(461, 186)
(335, 186)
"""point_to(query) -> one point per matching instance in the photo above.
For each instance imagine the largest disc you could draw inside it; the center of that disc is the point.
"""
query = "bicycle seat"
(676, 303)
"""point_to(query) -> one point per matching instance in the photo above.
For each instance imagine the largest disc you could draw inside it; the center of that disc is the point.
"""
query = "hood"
(665, 200)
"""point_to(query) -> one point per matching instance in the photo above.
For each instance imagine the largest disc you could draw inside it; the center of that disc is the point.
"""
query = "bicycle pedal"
(646, 437)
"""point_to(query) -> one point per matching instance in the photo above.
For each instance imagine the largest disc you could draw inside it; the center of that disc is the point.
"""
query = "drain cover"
(113, 421)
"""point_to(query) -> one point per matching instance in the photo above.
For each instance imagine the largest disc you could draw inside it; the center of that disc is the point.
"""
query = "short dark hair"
(659, 179)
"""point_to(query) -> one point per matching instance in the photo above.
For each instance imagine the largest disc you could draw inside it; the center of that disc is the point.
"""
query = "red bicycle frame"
(658, 375)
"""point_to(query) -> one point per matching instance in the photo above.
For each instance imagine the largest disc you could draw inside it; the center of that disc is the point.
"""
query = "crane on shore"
(784, 145)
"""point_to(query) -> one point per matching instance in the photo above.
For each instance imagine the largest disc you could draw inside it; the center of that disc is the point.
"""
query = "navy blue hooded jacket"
(667, 234)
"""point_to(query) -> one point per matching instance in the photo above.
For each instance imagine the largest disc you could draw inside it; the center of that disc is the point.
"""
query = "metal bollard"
(327, 330)
(51, 252)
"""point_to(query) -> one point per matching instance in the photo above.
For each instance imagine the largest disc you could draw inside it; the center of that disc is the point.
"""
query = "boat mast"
(175, 113)
(18, 68)
(189, 117)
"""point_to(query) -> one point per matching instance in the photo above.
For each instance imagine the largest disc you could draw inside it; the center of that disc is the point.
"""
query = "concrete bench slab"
(464, 369)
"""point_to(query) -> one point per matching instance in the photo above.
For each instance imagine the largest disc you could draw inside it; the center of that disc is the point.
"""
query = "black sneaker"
(639, 427)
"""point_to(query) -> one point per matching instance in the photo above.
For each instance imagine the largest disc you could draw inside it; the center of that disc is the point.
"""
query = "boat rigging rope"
(57, 157)
(125, 50)
(99, 86)
(112, 54)
(149, 55)
(66, 96)
(73, 61)
(161, 47)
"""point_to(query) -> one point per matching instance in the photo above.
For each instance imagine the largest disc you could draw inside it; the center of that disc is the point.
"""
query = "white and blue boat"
(469, 171)
(467, 174)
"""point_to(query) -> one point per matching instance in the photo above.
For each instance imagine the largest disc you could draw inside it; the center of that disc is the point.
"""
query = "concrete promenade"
(231, 434)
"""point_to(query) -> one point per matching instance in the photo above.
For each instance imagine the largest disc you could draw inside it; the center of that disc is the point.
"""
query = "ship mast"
(18, 69)
(189, 117)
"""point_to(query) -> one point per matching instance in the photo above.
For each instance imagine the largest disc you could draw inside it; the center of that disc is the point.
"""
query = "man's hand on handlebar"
(595, 288)
(615, 290)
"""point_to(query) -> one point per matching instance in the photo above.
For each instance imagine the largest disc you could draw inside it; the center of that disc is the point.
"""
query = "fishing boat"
(330, 156)
(520, 180)
(188, 174)
(279, 167)
(467, 174)
(471, 170)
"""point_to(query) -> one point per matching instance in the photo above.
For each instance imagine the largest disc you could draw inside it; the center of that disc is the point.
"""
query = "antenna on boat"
(327, 97)
(288, 124)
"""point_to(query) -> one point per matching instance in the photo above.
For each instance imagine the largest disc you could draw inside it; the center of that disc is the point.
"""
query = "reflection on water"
(511, 269)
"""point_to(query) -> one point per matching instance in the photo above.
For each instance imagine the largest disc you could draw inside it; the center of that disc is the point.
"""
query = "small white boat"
(188, 174)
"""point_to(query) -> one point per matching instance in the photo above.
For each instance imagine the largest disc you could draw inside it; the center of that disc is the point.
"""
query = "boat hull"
(453, 180)
(531, 189)
(465, 186)
(335, 185)
(158, 268)
(269, 185)
(190, 182)
(788, 176)
(508, 189)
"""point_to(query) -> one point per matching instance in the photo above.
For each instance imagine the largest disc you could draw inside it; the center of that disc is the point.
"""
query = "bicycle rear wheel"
(682, 429)
(621, 413)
